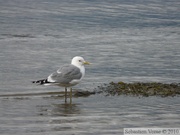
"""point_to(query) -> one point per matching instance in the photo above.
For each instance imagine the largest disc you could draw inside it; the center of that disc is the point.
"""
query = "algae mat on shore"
(140, 89)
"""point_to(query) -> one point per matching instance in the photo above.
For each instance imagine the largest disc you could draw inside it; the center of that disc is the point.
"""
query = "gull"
(66, 76)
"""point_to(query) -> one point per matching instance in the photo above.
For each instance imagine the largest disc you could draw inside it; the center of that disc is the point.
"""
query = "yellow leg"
(65, 95)
(70, 95)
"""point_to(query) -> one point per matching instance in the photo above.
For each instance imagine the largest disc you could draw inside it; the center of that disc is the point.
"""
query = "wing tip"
(40, 82)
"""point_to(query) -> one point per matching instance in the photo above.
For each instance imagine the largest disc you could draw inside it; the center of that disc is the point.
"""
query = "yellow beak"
(86, 63)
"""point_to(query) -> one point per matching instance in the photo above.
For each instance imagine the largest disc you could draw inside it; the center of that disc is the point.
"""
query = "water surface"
(125, 40)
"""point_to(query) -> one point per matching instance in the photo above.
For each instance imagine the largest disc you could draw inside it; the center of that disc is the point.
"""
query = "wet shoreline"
(140, 89)
(115, 89)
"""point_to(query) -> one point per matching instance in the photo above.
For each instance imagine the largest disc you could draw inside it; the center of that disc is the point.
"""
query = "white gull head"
(79, 62)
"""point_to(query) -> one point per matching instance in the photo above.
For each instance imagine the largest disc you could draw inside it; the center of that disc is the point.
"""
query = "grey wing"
(65, 74)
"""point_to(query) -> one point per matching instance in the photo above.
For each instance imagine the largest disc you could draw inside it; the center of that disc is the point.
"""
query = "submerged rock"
(140, 89)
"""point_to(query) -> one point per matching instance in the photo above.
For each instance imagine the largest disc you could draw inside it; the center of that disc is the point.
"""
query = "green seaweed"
(141, 89)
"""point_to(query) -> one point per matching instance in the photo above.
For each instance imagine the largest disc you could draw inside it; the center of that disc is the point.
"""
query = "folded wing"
(65, 75)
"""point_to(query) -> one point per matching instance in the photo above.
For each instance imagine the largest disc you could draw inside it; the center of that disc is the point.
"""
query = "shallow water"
(125, 40)
(93, 115)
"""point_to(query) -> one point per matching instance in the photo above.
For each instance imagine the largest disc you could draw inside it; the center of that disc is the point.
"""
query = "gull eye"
(80, 61)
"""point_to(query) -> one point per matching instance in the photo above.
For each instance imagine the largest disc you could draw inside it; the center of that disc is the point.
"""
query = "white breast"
(76, 81)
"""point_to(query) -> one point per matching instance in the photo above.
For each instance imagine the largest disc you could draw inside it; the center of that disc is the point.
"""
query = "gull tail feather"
(41, 82)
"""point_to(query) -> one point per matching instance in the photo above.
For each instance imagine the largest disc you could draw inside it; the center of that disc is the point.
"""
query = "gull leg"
(65, 94)
(70, 95)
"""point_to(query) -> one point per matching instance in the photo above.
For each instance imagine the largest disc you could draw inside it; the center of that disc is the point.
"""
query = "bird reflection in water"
(64, 109)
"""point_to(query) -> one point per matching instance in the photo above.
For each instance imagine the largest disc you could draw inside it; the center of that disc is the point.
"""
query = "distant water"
(125, 40)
